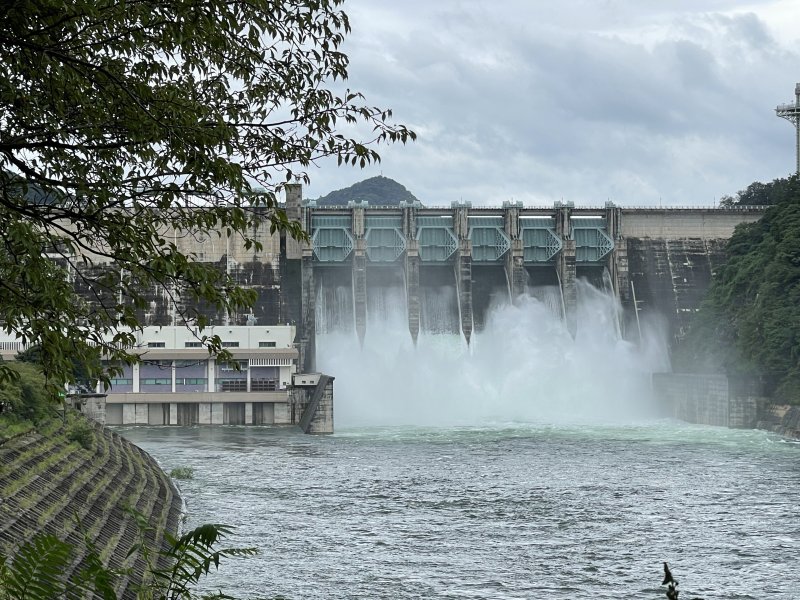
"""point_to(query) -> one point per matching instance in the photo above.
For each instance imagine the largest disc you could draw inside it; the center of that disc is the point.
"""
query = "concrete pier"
(359, 273)
(567, 273)
(412, 289)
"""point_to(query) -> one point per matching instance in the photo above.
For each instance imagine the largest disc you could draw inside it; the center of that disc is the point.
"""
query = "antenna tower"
(791, 112)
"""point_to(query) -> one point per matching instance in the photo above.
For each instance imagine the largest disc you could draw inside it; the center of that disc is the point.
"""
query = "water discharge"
(524, 366)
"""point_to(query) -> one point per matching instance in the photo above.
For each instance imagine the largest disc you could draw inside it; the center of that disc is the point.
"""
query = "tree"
(123, 120)
(750, 321)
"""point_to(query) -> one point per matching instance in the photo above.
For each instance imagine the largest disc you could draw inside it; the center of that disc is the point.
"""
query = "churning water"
(524, 466)
(502, 511)
(524, 366)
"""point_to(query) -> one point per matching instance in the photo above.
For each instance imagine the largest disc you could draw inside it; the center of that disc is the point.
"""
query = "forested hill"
(750, 321)
(378, 191)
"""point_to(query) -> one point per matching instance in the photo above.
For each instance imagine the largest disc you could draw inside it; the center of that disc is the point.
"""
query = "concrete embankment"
(707, 399)
(712, 399)
(51, 485)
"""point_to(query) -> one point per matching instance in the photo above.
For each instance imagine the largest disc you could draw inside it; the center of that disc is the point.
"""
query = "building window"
(161, 364)
(263, 385)
(193, 344)
(182, 364)
(191, 381)
(122, 381)
(235, 365)
(233, 385)
(266, 344)
(156, 381)
(156, 344)
(230, 344)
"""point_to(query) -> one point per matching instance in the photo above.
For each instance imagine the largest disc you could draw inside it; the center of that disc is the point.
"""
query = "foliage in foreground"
(34, 572)
(750, 321)
(125, 125)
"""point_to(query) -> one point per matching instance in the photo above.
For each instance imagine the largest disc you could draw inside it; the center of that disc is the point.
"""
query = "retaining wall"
(49, 485)
(705, 399)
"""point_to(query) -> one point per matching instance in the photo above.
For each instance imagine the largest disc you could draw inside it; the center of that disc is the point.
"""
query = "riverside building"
(176, 382)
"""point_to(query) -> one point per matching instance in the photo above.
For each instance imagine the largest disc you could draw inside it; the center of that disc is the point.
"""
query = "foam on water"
(524, 366)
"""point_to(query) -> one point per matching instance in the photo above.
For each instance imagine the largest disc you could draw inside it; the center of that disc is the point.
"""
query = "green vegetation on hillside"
(749, 324)
(23, 400)
(378, 191)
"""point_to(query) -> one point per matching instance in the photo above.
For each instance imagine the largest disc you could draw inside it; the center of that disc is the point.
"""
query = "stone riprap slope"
(51, 485)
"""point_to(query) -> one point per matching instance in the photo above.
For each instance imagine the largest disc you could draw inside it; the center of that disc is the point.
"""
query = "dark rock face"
(790, 423)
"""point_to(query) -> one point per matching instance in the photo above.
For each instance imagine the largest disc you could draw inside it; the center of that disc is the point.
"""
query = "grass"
(12, 426)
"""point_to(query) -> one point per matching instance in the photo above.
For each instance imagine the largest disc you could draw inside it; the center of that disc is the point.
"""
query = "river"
(529, 464)
(506, 510)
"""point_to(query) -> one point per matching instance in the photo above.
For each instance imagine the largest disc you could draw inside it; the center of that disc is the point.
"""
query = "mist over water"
(523, 367)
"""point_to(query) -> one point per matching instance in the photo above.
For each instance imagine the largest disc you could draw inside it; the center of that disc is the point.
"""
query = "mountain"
(378, 191)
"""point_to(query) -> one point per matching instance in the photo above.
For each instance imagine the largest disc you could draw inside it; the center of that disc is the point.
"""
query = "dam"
(454, 263)
(444, 269)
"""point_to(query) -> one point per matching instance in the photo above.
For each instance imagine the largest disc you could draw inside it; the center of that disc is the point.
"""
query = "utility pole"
(791, 112)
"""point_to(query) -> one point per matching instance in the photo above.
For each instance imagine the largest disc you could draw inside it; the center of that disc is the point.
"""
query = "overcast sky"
(641, 102)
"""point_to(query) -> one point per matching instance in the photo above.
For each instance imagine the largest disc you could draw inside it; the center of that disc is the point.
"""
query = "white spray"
(524, 367)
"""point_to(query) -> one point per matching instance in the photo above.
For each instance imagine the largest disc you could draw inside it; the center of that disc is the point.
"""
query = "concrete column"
(248, 413)
(173, 377)
(360, 290)
(128, 414)
(211, 374)
(204, 413)
(282, 413)
(135, 375)
(141, 412)
(514, 260)
(217, 413)
(323, 418)
(294, 200)
(412, 268)
(463, 266)
(412, 288)
(359, 273)
(173, 413)
(618, 260)
(566, 268)
(248, 375)
(308, 325)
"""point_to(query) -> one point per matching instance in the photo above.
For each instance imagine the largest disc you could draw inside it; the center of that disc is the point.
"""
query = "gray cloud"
(586, 101)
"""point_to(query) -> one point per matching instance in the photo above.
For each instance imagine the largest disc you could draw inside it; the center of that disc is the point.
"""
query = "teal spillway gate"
(437, 242)
(489, 240)
(331, 238)
(540, 242)
(384, 237)
(592, 243)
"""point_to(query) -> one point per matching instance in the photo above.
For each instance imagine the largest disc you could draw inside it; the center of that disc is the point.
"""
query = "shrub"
(80, 431)
(182, 473)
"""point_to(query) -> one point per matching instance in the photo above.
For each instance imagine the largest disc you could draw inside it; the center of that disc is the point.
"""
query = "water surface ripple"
(506, 511)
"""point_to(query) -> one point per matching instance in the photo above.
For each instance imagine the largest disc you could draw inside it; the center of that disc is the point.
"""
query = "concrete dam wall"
(659, 263)
(49, 485)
